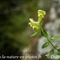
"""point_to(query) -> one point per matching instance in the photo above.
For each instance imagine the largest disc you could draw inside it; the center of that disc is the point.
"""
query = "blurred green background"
(14, 29)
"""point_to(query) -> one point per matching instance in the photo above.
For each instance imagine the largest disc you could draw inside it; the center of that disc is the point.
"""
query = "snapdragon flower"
(36, 24)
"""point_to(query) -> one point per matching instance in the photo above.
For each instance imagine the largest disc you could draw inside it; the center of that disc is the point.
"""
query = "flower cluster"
(35, 24)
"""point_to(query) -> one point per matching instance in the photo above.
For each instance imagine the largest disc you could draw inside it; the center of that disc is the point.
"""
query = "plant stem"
(48, 38)
(52, 44)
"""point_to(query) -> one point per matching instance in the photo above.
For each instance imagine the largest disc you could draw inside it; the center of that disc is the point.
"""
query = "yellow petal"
(34, 24)
(41, 12)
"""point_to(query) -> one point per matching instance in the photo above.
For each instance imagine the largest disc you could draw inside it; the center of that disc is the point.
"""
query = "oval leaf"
(56, 56)
(59, 50)
(44, 33)
(34, 34)
(55, 37)
(45, 44)
(49, 53)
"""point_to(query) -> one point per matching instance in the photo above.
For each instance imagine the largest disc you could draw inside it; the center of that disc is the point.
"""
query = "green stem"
(52, 44)
(49, 39)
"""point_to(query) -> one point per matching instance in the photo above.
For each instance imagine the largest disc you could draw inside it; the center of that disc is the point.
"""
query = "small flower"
(34, 24)
(41, 15)
(41, 12)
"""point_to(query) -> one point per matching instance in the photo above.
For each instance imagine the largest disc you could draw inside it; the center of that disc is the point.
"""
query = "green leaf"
(55, 45)
(55, 37)
(45, 44)
(49, 53)
(34, 34)
(44, 33)
(59, 50)
(56, 56)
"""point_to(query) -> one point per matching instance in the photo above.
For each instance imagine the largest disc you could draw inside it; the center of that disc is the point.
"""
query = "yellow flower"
(35, 24)
(41, 15)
